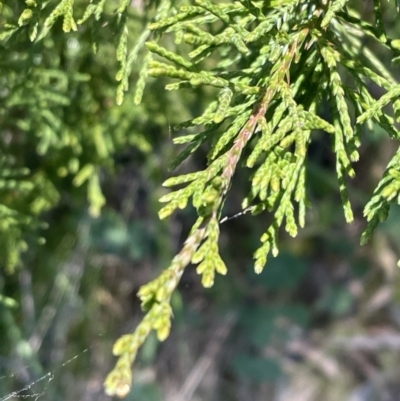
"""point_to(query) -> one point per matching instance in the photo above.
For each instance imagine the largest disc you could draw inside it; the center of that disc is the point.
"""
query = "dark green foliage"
(58, 116)
(257, 369)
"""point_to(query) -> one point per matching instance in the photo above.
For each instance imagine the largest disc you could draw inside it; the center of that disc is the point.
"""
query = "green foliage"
(388, 189)
(257, 369)
(283, 272)
(275, 69)
(275, 65)
(60, 124)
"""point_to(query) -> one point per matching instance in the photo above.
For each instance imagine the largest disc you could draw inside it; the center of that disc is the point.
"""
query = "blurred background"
(320, 323)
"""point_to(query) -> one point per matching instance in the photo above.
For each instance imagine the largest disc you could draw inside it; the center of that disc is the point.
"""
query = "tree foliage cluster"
(278, 73)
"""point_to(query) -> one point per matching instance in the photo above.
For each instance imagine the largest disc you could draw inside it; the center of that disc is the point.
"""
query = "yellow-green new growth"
(277, 63)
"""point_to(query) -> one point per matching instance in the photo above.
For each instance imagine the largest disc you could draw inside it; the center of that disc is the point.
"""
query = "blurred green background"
(320, 323)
